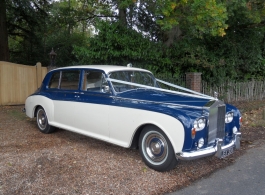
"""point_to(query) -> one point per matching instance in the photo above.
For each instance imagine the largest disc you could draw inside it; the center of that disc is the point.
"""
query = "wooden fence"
(237, 91)
(229, 91)
(18, 81)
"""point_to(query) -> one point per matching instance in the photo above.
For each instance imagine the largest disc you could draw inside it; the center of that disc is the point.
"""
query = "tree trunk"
(122, 13)
(69, 24)
(172, 35)
(122, 16)
(4, 51)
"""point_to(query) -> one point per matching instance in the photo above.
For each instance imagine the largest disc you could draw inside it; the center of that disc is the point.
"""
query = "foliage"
(35, 27)
(237, 56)
(63, 44)
(24, 19)
(200, 17)
(116, 44)
(222, 39)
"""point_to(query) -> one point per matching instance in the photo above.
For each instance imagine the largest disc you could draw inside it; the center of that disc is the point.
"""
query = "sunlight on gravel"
(68, 163)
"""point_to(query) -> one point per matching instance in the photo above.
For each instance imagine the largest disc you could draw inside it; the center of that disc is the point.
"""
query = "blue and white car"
(129, 107)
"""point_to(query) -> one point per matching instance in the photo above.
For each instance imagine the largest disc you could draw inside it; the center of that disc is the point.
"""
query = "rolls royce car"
(129, 107)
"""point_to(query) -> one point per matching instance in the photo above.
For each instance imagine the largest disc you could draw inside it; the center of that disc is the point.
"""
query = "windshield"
(134, 77)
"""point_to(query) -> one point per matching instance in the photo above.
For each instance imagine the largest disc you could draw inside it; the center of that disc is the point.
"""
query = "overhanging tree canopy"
(220, 38)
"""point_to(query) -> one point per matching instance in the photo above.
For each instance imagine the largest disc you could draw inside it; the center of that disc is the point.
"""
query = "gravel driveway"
(68, 163)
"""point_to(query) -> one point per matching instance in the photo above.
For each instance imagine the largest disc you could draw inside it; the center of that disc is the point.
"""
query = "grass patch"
(17, 114)
(258, 123)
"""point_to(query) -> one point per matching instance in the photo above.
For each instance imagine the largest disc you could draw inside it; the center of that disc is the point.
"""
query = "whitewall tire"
(156, 149)
(42, 121)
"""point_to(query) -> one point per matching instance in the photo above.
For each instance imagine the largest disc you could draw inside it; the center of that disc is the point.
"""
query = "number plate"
(227, 152)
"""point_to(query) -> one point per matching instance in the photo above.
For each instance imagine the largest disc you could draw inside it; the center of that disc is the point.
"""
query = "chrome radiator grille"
(216, 121)
(221, 122)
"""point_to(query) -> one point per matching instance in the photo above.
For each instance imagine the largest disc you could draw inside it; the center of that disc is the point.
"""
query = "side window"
(54, 82)
(70, 79)
(93, 81)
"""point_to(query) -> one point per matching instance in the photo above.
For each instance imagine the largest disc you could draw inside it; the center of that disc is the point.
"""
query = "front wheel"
(156, 149)
(42, 121)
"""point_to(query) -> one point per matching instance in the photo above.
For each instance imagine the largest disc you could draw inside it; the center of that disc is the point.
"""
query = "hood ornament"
(215, 95)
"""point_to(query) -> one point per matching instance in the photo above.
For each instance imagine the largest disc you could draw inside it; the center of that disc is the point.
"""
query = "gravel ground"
(68, 163)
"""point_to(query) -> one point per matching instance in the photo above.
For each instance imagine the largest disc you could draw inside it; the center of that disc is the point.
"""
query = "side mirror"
(105, 89)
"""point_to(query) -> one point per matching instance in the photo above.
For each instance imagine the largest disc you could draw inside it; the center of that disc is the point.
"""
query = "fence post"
(193, 81)
(38, 74)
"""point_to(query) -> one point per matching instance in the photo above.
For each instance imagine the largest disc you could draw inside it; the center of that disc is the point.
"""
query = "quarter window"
(54, 82)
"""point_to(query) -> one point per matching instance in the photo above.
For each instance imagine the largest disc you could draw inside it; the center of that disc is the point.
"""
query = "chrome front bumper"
(216, 150)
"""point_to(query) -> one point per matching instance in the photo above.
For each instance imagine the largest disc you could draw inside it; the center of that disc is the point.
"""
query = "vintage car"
(128, 107)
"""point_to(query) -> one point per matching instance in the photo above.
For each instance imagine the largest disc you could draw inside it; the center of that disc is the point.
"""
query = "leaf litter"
(69, 163)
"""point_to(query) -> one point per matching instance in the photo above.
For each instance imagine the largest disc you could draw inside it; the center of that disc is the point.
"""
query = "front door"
(93, 106)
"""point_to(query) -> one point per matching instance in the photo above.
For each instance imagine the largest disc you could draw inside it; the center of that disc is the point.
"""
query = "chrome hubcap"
(42, 119)
(155, 147)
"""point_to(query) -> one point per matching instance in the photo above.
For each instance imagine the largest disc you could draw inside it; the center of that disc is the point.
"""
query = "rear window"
(70, 79)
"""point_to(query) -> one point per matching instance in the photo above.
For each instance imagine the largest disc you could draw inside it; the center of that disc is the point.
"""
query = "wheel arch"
(135, 139)
(44, 108)
(177, 147)
(35, 109)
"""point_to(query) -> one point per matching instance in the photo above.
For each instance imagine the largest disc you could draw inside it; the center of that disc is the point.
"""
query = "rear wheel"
(42, 121)
(156, 149)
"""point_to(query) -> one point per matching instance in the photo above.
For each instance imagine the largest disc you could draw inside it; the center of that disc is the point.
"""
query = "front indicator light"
(193, 133)
(240, 120)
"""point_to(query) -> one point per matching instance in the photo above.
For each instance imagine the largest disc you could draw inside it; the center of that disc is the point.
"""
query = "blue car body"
(203, 125)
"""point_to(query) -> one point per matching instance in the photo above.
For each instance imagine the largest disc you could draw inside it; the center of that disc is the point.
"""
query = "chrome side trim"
(155, 102)
(216, 150)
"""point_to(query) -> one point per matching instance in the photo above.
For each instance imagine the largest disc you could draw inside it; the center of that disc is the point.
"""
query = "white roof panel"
(106, 68)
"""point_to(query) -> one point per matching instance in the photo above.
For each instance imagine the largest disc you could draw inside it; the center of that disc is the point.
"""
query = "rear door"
(65, 98)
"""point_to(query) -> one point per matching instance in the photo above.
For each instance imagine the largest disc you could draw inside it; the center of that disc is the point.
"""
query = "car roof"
(106, 68)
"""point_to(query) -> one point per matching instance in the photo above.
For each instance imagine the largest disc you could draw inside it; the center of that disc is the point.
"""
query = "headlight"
(199, 123)
(229, 117)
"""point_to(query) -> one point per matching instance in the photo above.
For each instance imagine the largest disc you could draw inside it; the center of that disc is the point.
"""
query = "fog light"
(200, 142)
(234, 130)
